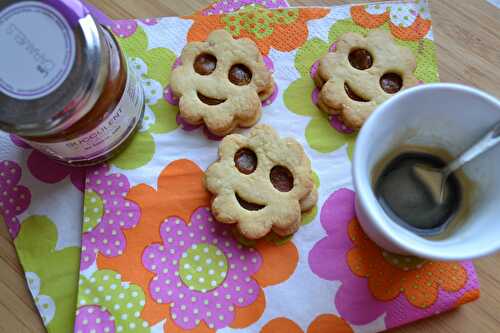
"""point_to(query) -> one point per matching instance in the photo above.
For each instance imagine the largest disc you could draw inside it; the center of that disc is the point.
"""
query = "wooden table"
(467, 34)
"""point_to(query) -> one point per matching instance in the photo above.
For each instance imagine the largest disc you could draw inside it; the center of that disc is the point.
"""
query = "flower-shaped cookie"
(362, 73)
(261, 182)
(221, 82)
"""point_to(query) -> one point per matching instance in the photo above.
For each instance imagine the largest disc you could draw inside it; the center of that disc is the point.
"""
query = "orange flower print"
(390, 274)
(410, 21)
(374, 282)
(177, 243)
(325, 323)
(283, 29)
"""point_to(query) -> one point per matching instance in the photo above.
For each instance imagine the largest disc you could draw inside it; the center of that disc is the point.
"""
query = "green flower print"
(260, 22)
(105, 298)
(153, 69)
(320, 135)
(52, 274)
(92, 210)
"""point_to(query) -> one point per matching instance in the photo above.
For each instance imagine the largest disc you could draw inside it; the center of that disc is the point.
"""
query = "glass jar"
(65, 86)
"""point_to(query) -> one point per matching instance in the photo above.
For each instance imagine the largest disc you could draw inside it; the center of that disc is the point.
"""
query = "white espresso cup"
(444, 116)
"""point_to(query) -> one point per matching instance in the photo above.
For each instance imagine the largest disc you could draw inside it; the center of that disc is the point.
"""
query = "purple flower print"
(126, 28)
(14, 198)
(93, 319)
(228, 6)
(201, 271)
(354, 299)
(49, 170)
(118, 213)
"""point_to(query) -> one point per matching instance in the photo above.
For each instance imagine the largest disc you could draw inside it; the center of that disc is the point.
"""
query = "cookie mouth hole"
(281, 178)
(353, 95)
(391, 83)
(248, 205)
(209, 100)
(360, 59)
(245, 161)
(240, 75)
(205, 64)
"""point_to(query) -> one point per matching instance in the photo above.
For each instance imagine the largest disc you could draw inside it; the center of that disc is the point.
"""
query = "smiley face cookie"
(221, 82)
(261, 182)
(362, 73)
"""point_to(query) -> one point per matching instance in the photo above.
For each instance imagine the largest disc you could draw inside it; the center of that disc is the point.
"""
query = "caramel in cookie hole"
(240, 75)
(245, 160)
(360, 59)
(205, 64)
(248, 205)
(209, 100)
(281, 178)
(352, 95)
(391, 83)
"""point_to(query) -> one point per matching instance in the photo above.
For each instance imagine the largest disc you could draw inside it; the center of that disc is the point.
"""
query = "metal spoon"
(434, 179)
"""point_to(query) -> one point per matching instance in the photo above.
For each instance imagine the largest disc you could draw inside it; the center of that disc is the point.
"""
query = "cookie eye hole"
(281, 178)
(360, 59)
(391, 83)
(352, 95)
(245, 160)
(240, 75)
(205, 64)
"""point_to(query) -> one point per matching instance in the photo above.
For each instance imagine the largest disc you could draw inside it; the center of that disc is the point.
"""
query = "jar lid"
(53, 68)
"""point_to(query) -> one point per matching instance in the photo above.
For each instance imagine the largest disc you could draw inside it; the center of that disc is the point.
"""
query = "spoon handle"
(490, 139)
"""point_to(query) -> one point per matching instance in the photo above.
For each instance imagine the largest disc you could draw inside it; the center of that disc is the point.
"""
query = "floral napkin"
(154, 260)
(41, 204)
(148, 236)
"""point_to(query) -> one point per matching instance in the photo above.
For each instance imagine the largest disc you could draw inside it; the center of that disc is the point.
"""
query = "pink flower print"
(126, 28)
(14, 198)
(202, 271)
(354, 299)
(49, 170)
(228, 6)
(118, 213)
(94, 319)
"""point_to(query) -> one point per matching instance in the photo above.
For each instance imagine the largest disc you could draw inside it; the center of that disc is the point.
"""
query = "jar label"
(38, 50)
(108, 135)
